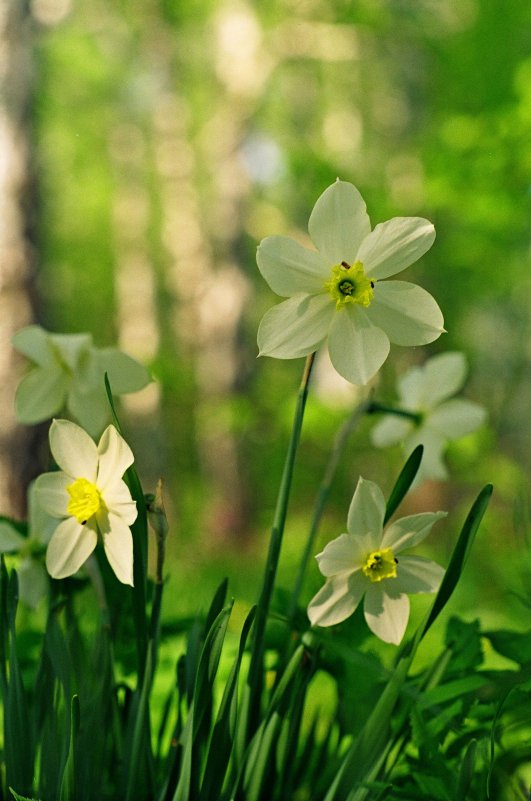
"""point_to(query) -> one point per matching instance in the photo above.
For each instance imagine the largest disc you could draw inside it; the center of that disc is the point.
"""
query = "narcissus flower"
(368, 562)
(69, 376)
(338, 292)
(33, 580)
(425, 391)
(90, 499)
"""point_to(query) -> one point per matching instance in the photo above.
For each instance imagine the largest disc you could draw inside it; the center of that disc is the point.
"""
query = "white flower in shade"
(68, 375)
(90, 498)
(425, 391)
(338, 293)
(32, 577)
(368, 562)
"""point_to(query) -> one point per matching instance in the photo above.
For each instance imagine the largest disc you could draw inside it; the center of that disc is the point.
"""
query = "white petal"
(50, 493)
(32, 581)
(357, 347)
(442, 376)
(90, 406)
(432, 465)
(118, 544)
(457, 418)
(337, 600)
(73, 450)
(34, 342)
(72, 348)
(394, 245)
(289, 268)
(366, 514)
(41, 394)
(340, 555)
(125, 373)
(339, 223)
(409, 531)
(406, 312)
(295, 327)
(118, 501)
(390, 430)
(115, 456)
(416, 574)
(411, 388)
(69, 548)
(386, 614)
(10, 539)
(41, 523)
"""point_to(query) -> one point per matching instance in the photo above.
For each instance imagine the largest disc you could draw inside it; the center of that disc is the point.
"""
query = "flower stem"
(338, 448)
(255, 677)
(374, 408)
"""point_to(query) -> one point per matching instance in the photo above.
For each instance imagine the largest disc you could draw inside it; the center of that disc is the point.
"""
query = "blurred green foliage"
(181, 133)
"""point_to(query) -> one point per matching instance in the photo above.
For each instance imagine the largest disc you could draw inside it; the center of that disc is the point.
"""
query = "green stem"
(255, 678)
(374, 408)
(338, 448)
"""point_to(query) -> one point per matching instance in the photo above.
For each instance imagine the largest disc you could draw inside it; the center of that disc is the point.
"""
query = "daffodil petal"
(118, 544)
(295, 327)
(73, 450)
(125, 373)
(386, 614)
(442, 376)
(41, 523)
(457, 418)
(89, 405)
(432, 465)
(416, 574)
(290, 268)
(33, 341)
(337, 600)
(366, 514)
(118, 499)
(339, 223)
(390, 430)
(409, 531)
(69, 548)
(357, 347)
(50, 493)
(115, 456)
(394, 245)
(72, 348)
(345, 553)
(10, 539)
(33, 582)
(41, 394)
(406, 312)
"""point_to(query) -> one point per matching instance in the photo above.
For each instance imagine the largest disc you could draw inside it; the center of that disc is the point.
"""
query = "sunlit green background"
(170, 136)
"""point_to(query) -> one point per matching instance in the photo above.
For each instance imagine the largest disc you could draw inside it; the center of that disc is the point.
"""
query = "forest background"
(147, 147)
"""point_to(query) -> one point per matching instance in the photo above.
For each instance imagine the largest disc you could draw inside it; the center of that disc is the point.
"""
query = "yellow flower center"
(380, 565)
(85, 500)
(349, 284)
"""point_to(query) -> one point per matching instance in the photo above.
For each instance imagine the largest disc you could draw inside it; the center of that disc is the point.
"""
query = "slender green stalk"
(374, 408)
(255, 678)
(338, 448)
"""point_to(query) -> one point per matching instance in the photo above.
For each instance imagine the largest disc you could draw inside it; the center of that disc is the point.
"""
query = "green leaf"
(466, 772)
(515, 645)
(403, 482)
(68, 781)
(18, 797)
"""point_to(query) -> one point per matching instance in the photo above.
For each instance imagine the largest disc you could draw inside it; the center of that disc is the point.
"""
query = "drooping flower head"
(367, 562)
(68, 375)
(426, 391)
(90, 499)
(338, 293)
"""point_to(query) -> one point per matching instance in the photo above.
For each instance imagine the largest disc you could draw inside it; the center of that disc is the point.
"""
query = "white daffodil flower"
(32, 577)
(90, 498)
(338, 293)
(368, 562)
(425, 391)
(69, 376)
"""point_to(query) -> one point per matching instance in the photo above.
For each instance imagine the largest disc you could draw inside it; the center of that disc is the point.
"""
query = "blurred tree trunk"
(16, 252)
